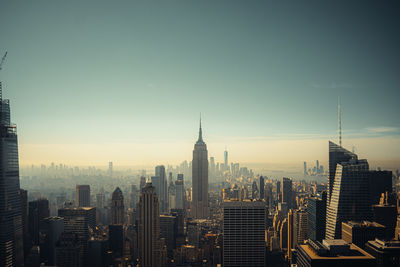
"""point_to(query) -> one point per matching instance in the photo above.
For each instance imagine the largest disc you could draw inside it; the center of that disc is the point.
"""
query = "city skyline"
(108, 94)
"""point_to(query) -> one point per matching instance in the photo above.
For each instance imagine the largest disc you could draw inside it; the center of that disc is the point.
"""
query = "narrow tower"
(199, 207)
(339, 122)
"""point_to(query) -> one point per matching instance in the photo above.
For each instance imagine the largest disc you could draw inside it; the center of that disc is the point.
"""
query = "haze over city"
(92, 83)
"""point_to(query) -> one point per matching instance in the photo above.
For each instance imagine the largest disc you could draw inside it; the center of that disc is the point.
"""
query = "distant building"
(244, 221)
(387, 253)
(117, 207)
(161, 187)
(386, 214)
(317, 217)
(179, 192)
(82, 196)
(359, 233)
(262, 188)
(68, 251)
(200, 207)
(332, 253)
(168, 232)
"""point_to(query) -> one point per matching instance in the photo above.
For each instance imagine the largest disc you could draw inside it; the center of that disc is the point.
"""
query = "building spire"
(339, 123)
(200, 132)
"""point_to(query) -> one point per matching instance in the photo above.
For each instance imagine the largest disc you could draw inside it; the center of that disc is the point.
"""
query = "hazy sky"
(93, 81)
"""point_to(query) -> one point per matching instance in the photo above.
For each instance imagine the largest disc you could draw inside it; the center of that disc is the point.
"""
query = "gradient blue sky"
(92, 81)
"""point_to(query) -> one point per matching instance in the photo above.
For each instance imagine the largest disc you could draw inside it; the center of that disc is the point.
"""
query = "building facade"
(117, 207)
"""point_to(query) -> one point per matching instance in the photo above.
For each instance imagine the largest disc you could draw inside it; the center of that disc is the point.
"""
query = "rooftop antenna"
(339, 122)
(1, 66)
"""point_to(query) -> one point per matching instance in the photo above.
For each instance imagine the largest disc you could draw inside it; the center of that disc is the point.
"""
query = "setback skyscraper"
(11, 244)
(200, 207)
(117, 207)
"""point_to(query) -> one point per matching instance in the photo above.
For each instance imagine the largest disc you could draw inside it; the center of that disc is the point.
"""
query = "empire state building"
(200, 207)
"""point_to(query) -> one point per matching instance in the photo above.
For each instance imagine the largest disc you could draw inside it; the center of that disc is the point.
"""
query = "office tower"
(359, 233)
(300, 227)
(51, 230)
(291, 233)
(262, 188)
(179, 193)
(305, 168)
(68, 251)
(226, 159)
(38, 210)
(11, 230)
(337, 154)
(333, 252)
(386, 214)
(161, 188)
(82, 196)
(117, 207)
(171, 195)
(168, 225)
(350, 195)
(116, 240)
(278, 191)
(149, 227)
(78, 221)
(317, 217)
(287, 193)
(317, 166)
(387, 253)
(200, 207)
(180, 227)
(244, 221)
(110, 168)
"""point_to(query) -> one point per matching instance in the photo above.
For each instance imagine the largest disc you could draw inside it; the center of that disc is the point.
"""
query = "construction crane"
(2, 60)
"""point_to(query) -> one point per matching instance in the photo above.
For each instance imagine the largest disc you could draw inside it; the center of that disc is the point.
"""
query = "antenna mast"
(339, 122)
(1, 65)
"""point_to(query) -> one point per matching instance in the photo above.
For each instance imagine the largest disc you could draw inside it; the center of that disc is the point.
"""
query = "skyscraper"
(38, 210)
(161, 188)
(349, 191)
(82, 195)
(244, 233)
(226, 159)
(117, 207)
(200, 206)
(262, 188)
(11, 236)
(317, 217)
(287, 195)
(149, 227)
(179, 193)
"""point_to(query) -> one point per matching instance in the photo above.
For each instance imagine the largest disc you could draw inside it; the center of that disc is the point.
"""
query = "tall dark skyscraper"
(117, 207)
(200, 207)
(161, 188)
(82, 196)
(262, 188)
(11, 236)
(350, 195)
(287, 192)
(317, 217)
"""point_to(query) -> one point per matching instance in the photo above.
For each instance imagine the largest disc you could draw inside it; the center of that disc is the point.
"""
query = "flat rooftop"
(355, 253)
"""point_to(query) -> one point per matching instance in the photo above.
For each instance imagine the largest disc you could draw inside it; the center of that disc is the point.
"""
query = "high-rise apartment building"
(244, 233)
(200, 206)
(117, 207)
(82, 195)
(149, 227)
(11, 235)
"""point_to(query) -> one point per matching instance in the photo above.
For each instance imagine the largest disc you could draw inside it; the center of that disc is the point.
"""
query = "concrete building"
(244, 233)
